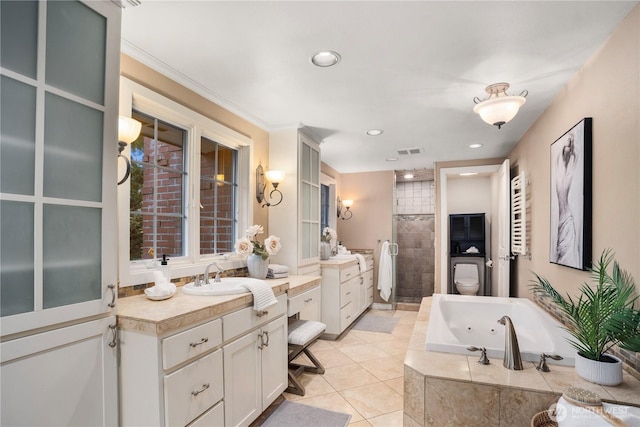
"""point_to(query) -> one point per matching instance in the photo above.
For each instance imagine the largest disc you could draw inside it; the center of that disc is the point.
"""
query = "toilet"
(466, 279)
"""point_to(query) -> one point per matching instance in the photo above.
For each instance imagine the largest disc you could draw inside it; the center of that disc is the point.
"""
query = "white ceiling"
(409, 68)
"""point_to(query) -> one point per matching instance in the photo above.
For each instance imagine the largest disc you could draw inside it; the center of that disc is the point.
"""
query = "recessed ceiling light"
(468, 173)
(475, 146)
(325, 58)
(408, 176)
(374, 132)
(391, 159)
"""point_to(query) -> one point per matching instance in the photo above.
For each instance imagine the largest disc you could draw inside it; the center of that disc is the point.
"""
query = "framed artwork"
(570, 242)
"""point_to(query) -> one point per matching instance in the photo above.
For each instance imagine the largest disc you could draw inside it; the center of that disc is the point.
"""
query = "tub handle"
(484, 360)
(542, 365)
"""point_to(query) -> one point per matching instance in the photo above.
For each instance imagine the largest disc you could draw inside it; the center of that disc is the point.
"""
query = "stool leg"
(319, 369)
(295, 387)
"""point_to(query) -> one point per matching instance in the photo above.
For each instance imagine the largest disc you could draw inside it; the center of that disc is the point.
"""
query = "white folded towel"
(263, 296)
(361, 262)
(277, 275)
(277, 268)
(162, 287)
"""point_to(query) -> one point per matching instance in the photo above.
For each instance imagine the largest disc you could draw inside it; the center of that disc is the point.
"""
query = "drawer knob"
(197, 392)
(202, 341)
(308, 300)
(348, 293)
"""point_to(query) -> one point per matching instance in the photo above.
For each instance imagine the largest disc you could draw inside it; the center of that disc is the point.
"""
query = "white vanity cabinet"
(298, 218)
(256, 361)
(306, 304)
(172, 379)
(346, 293)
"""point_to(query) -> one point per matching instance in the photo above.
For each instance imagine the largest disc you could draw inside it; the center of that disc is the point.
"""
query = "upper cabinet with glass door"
(59, 64)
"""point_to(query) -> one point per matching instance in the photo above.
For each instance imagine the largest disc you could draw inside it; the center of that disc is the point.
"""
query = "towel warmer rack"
(519, 214)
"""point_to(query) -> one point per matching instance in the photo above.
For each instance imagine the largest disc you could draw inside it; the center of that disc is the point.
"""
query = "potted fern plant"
(601, 317)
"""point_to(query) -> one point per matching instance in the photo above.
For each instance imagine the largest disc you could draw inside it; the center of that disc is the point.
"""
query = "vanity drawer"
(213, 417)
(241, 321)
(185, 345)
(368, 278)
(191, 390)
(349, 272)
(348, 291)
(346, 315)
(299, 302)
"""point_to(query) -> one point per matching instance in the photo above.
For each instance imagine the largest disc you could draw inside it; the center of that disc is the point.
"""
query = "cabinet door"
(65, 377)
(242, 385)
(60, 66)
(457, 227)
(274, 360)
(309, 203)
(476, 227)
(311, 308)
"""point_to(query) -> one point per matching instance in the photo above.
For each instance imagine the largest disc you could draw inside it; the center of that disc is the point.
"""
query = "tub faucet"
(512, 359)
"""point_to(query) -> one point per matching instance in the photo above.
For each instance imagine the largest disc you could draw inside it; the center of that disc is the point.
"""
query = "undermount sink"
(227, 286)
(343, 256)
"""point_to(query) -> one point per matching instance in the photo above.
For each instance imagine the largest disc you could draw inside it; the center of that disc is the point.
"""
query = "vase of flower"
(328, 234)
(256, 251)
(257, 266)
(325, 250)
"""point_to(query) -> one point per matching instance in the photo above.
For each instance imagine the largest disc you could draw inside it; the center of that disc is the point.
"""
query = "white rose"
(272, 244)
(254, 230)
(244, 246)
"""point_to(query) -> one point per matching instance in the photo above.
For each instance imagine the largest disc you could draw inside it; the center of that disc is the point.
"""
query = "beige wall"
(151, 79)
(469, 195)
(371, 224)
(607, 88)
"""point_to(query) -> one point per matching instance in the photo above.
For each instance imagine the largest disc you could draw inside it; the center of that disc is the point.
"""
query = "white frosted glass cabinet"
(298, 155)
(59, 66)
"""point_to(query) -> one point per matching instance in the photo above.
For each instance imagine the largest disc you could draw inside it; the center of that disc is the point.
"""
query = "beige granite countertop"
(338, 263)
(138, 313)
(465, 368)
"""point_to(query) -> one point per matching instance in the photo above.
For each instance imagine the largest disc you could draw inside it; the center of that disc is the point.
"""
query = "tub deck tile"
(528, 379)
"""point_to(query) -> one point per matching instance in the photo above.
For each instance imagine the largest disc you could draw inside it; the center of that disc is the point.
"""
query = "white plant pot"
(603, 373)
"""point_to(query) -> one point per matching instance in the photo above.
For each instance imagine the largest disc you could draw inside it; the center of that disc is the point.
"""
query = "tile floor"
(363, 373)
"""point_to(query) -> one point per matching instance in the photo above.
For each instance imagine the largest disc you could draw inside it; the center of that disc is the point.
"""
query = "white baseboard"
(380, 306)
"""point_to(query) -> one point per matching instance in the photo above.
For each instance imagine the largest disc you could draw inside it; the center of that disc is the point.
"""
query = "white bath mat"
(372, 323)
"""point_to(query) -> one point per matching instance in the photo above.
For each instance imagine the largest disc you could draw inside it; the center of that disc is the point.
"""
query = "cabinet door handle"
(266, 344)
(202, 341)
(204, 387)
(112, 287)
(114, 340)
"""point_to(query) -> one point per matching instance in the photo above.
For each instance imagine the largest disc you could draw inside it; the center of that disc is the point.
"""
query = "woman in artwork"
(567, 250)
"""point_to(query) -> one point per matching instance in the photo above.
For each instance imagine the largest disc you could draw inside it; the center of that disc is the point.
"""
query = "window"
(217, 197)
(185, 196)
(157, 213)
(324, 206)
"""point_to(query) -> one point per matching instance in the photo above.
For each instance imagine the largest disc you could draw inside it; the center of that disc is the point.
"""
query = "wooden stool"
(303, 333)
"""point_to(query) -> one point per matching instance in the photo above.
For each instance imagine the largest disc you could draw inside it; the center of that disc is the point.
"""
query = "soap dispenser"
(164, 268)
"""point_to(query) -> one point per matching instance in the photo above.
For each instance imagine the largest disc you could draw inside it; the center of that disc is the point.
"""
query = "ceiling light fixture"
(375, 132)
(499, 108)
(391, 159)
(468, 173)
(474, 146)
(325, 58)
(408, 176)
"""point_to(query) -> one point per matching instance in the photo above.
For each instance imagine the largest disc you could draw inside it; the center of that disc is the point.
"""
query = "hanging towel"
(362, 263)
(385, 272)
(263, 296)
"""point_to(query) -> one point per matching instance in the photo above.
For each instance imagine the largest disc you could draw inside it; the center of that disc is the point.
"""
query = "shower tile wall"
(415, 235)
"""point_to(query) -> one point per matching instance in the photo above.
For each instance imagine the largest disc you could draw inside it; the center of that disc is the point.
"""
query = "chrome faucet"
(512, 359)
(205, 278)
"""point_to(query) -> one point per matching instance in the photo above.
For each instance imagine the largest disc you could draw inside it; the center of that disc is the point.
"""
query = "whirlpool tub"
(459, 321)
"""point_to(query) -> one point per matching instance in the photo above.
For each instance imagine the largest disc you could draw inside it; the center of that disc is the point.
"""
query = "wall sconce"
(499, 108)
(128, 131)
(347, 204)
(275, 177)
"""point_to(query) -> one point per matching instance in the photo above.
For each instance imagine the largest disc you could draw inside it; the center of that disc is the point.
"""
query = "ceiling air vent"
(409, 151)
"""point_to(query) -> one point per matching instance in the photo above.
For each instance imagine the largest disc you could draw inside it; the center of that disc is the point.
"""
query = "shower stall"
(414, 229)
